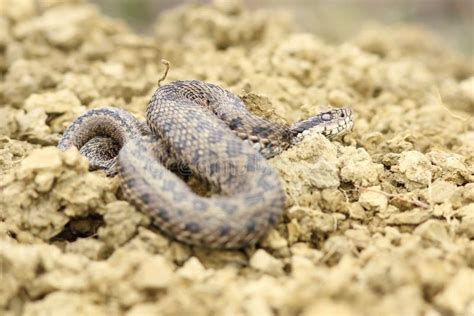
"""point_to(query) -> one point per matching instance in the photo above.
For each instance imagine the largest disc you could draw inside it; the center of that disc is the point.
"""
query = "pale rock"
(416, 167)
(301, 267)
(154, 273)
(64, 303)
(194, 270)
(121, 221)
(356, 211)
(441, 191)
(373, 199)
(467, 226)
(143, 309)
(357, 167)
(40, 160)
(324, 174)
(32, 126)
(8, 123)
(328, 307)
(264, 262)
(274, 240)
(412, 217)
(433, 230)
(257, 306)
(458, 294)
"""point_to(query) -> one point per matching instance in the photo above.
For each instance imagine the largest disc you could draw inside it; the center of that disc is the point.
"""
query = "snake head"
(330, 123)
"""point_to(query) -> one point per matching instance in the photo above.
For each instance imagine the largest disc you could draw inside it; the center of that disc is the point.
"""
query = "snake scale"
(207, 129)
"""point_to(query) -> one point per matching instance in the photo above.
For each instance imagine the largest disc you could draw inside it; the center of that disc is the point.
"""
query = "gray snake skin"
(208, 130)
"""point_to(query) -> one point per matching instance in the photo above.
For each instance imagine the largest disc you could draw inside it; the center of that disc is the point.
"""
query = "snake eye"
(343, 114)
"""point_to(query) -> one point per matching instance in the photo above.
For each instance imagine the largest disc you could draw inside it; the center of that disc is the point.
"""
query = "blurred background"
(334, 20)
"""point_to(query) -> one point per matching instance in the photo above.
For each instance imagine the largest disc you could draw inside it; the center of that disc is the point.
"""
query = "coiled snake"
(207, 129)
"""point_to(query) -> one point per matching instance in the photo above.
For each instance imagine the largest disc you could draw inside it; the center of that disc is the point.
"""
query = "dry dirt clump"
(380, 222)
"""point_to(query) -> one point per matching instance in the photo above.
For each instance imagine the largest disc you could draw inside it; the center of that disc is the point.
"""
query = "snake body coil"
(208, 130)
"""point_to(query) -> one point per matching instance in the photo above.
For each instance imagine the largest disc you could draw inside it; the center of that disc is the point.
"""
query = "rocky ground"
(380, 222)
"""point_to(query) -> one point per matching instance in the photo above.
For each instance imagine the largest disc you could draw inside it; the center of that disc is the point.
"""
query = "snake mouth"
(332, 123)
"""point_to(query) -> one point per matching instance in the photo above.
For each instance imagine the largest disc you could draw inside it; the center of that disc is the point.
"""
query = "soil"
(379, 222)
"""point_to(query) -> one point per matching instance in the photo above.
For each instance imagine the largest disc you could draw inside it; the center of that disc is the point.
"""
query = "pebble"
(373, 199)
(266, 263)
(193, 270)
(412, 217)
(154, 273)
(457, 296)
(417, 169)
(357, 167)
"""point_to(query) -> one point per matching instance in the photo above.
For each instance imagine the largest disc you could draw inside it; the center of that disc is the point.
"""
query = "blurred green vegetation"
(140, 14)
(334, 20)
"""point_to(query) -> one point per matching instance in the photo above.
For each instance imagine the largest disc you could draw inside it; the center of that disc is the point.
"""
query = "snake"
(201, 127)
